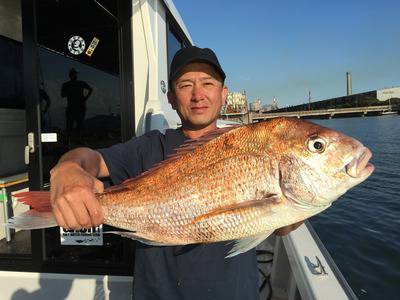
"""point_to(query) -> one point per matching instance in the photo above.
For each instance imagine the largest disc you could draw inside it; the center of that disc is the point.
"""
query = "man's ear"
(171, 99)
(224, 94)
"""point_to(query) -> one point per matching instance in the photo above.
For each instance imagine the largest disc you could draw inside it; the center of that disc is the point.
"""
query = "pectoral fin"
(245, 244)
(266, 199)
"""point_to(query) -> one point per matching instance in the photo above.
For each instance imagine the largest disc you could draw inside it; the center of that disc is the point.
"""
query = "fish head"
(318, 164)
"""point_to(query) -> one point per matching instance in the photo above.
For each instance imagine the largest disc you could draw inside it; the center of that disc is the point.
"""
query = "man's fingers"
(78, 208)
(287, 229)
(88, 210)
(95, 210)
(59, 218)
(80, 211)
(72, 196)
(99, 186)
(297, 225)
(67, 213)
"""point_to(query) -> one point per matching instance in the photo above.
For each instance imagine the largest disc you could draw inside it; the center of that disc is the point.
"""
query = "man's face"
(198, 96)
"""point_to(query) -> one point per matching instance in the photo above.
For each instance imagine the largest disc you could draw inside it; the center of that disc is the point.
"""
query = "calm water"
(362, 229)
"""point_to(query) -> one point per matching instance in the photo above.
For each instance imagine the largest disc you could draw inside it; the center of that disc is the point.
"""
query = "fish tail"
(40, 216)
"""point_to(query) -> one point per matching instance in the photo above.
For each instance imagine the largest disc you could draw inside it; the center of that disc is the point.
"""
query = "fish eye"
(317, 145)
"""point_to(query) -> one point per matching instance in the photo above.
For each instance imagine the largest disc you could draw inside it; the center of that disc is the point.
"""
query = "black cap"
(192, 54)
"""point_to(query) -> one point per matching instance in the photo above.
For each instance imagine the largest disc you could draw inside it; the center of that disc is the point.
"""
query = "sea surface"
(362, 229)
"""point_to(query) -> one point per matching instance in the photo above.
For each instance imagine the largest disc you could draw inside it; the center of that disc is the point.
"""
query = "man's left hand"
(287, 229)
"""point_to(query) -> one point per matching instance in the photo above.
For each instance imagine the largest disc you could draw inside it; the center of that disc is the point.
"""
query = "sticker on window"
(76, 45)
(92, 46)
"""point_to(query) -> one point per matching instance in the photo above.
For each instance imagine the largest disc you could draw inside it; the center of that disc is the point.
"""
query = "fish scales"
(235, 184)
(225, 171)
(220, 148)
(233, 143)
(229, 181)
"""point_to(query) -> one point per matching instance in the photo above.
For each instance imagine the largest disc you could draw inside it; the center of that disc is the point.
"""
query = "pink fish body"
(239, 183)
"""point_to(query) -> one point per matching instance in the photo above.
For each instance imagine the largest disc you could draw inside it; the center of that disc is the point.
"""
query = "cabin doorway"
(77, 60)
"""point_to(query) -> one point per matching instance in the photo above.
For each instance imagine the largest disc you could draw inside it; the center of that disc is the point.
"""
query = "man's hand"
(72, 196)
(287, 229)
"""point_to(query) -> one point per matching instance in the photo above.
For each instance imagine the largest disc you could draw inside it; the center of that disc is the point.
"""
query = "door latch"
(30, 148)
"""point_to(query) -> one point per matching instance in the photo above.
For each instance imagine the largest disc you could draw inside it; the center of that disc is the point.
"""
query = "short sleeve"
(129, 159)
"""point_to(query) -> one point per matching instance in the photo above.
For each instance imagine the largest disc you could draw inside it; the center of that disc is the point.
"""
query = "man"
(77, 93)
(197, 92)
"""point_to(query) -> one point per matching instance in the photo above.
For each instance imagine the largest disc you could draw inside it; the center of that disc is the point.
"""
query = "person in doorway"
(197, 92)
(77, 93)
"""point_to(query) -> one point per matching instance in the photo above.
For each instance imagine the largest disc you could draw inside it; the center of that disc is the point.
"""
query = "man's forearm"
(86, 158)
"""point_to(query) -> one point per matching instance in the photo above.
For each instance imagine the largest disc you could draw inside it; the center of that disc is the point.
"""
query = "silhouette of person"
(74, 90)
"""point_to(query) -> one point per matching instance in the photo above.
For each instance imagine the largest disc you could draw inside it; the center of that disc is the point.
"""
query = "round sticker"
(76, 45)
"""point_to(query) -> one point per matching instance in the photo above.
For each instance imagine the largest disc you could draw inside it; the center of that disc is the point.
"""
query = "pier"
(252, 117)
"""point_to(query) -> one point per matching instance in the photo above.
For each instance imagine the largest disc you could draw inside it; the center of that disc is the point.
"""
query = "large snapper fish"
(236, 183)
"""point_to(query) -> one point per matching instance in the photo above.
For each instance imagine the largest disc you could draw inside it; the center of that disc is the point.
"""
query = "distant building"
(267, 107)
(274, 104)
(236, 102)
(370, 98)
(386, 94)
(256, 106)
(271, 106)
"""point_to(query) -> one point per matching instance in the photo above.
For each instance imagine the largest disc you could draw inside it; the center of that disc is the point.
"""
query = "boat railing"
(303, 269)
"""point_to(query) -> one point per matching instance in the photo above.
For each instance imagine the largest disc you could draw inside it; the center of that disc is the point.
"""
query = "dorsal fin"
(191, 145)
(187, 147)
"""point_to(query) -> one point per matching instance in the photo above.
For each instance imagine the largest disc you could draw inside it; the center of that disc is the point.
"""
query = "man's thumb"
(98, 186)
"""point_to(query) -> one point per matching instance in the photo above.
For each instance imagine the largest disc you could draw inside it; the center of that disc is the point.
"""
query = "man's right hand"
(72, 196)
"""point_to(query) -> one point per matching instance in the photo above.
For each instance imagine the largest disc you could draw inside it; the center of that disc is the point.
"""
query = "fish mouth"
(359, 166)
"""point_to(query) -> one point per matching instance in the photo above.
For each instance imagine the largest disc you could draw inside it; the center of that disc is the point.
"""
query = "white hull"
(39, 286)
(295, 274)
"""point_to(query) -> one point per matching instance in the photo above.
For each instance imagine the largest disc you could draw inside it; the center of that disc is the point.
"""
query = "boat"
(389, 111)
(122, 50)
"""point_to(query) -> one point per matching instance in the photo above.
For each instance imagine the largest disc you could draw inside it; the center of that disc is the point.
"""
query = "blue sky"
(287, 48)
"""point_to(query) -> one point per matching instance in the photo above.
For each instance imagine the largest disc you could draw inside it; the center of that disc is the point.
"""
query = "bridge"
(252, 117)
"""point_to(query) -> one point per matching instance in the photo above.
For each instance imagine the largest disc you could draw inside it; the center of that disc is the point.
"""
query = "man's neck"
(196, 133)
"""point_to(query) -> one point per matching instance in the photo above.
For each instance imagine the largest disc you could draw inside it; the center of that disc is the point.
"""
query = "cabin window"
(176, 38)
(72, 28)
(79, 73)
(174, 43)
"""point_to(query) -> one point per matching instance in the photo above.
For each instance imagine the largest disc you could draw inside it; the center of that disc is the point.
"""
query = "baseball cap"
(192, 54)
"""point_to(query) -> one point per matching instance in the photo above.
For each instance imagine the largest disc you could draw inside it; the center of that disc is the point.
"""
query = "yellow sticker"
(92, 46)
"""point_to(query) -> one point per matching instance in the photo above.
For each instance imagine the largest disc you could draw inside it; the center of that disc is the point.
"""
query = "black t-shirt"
(197, 272)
